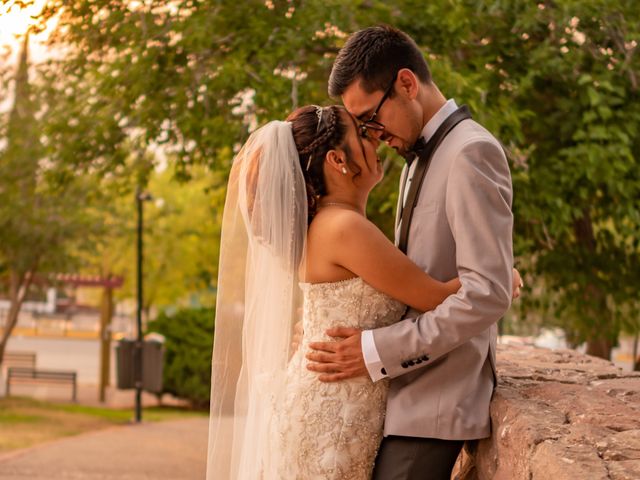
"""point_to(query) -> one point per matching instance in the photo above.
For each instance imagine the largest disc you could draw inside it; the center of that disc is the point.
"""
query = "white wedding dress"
(271, 418)
(333, 430)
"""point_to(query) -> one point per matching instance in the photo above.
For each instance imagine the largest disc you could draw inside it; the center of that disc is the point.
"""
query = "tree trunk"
(106, 314)
(600, 347)
(601, 341)
(18, 288)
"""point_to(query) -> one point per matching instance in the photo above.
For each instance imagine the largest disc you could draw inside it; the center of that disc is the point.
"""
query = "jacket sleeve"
(478, 210)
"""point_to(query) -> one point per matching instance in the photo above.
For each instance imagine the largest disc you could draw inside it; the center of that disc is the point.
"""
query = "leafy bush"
(188, 346)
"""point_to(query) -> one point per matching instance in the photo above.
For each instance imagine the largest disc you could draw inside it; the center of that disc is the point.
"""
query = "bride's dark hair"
(316, 130)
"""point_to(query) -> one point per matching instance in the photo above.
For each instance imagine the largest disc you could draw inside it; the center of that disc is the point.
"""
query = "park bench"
(31, 375)
(19, 360)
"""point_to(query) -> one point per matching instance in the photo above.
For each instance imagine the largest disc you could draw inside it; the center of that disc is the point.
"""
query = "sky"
(14, 22)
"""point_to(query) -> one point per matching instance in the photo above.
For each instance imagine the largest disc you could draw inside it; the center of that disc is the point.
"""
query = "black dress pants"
(412, 458)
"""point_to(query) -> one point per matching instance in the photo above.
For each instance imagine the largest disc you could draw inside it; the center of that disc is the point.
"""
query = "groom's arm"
(478, 209)
(372, 361)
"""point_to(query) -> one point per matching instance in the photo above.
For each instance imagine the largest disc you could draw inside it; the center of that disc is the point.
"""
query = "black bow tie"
(416, 150)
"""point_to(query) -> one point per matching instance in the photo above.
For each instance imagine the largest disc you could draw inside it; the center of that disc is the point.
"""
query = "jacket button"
(425, 358)
(418, 360)
(404, 365)
(383, 371)
(411, 363)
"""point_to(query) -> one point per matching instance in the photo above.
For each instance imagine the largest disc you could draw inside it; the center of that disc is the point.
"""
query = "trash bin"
(125, 368)
(152, 362)
(152, 365)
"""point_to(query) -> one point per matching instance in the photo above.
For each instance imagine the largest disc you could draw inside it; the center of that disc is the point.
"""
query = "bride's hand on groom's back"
(517, 284)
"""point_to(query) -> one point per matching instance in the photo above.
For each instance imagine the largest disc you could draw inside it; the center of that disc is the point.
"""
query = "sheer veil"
(263, 240)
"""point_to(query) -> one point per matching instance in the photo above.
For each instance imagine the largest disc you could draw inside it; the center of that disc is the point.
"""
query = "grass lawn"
(25, 421)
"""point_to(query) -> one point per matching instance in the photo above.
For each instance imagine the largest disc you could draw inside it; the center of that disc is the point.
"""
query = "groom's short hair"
(375, 55)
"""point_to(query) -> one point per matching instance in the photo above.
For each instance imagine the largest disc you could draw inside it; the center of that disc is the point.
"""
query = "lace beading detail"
(333, 430)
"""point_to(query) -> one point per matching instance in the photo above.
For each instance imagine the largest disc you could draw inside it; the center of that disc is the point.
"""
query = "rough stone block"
(559, 415)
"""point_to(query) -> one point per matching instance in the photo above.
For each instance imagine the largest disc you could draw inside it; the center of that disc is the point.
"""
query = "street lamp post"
(138, 367)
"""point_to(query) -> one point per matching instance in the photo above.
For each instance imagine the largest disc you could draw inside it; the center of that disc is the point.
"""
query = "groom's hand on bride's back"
(340, 359)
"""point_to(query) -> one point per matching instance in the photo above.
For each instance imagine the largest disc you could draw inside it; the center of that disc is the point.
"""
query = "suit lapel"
(403, 186)
(424, 161)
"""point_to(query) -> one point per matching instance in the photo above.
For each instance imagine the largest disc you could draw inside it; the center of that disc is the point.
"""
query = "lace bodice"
(332, 431)
(348, 303)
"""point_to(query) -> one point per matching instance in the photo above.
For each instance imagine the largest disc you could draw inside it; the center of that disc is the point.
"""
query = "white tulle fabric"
(264, 230)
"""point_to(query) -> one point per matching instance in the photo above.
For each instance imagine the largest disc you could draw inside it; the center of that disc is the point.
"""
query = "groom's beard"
(400, 145)
(407, 154)
(404, 150)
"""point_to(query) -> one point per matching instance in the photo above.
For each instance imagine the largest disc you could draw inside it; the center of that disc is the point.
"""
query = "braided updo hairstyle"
(316, 131)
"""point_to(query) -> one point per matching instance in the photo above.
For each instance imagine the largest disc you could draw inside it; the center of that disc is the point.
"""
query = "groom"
(454, 219)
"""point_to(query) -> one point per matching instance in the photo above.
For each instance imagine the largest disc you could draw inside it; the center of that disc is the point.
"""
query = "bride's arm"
(359, 246)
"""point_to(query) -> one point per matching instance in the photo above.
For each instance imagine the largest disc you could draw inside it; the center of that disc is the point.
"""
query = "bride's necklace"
(340, 204)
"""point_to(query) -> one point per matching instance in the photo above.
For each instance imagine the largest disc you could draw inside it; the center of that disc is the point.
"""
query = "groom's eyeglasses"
(371, 127)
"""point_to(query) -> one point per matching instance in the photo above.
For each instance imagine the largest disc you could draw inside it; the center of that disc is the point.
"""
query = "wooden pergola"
(108, 284)
(79, 280)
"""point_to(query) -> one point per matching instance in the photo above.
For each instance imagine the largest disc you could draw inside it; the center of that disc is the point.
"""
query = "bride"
(296, 245)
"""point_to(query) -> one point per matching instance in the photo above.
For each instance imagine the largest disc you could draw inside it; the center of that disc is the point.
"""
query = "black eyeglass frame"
(372, 123)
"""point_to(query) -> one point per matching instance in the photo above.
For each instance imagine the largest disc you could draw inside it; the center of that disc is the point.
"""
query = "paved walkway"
(173, 450)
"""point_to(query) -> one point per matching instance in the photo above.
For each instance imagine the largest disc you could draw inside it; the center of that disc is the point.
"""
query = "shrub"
(187, 360)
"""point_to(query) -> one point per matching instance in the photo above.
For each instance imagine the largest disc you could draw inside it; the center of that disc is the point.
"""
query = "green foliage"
(557, 82)
(181, 240)
(188, 349)
(40, 224)
(567, 105)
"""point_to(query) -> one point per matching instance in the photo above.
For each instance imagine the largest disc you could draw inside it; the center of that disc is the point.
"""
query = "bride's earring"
(344, 170)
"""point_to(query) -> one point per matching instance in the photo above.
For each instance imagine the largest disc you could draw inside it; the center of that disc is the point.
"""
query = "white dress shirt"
(369, 351)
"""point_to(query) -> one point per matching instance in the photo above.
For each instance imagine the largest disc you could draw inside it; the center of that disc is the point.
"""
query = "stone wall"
(559, 415)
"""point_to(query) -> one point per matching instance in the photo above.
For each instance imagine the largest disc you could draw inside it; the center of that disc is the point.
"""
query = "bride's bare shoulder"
(333, 224)
(341, 244)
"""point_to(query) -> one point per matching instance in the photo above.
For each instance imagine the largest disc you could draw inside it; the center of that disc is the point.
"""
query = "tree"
(18, 173)
(181, 237)
(39, 223)
(556, 81)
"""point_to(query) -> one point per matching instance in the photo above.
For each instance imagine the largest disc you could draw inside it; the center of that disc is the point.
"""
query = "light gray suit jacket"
(442, 363)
